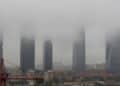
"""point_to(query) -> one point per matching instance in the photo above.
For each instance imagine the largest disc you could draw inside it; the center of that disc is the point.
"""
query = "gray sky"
(60, 21)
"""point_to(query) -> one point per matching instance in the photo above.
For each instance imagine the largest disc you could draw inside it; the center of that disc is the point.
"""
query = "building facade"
(79, 53)
(113, 54)
(27, 52)
(1, 44)
(48, 55)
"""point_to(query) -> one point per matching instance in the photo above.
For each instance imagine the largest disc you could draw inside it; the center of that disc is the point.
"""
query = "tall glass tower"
(27, 52)
(1, 44)
(79, 53)
(113, 54)
(48, 54)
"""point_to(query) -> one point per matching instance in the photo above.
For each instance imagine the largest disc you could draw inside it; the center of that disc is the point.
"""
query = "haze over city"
(60, 21)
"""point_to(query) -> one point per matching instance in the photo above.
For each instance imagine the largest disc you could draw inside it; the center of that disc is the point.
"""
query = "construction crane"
(4, 76)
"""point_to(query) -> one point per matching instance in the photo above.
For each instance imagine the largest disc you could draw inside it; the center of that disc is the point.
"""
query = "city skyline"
(80, 36)
(58, 47)
(59, 42)
(56, 19)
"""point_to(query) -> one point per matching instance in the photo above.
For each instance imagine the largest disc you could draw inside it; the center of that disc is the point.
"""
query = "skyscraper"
(48, 53)
(107, 54)
(113, 54)
(79, 53)
(27, 59)
(1, 44)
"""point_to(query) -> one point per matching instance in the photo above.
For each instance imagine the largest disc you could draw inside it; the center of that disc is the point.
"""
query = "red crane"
(4, 76)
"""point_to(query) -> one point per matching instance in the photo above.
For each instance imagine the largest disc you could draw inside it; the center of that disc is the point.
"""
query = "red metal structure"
(4, 76)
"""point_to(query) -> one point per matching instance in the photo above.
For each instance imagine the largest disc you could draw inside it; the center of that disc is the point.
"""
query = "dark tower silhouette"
(79, 53)
(1, 44)
(47, 58)
(27, 58)
(113, 53)
(107, 54)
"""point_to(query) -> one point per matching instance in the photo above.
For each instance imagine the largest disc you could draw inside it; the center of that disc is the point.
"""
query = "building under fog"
(27, 52)
(113, 53)
(1, 44)
(79, 53)
(48, 55)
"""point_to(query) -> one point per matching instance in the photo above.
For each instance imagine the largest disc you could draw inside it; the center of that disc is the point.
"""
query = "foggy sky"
(60, 21)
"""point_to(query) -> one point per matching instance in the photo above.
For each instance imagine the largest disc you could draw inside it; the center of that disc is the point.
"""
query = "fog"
(59, 20)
